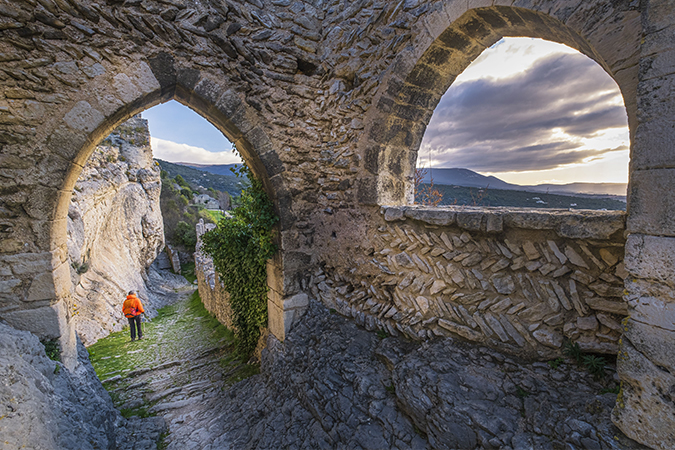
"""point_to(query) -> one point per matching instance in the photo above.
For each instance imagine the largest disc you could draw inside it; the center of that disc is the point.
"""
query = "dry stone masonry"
(518, 280)
(214, 296)
(328, 101)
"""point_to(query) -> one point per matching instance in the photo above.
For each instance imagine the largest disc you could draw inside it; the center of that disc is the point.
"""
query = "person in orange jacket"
(132, 309)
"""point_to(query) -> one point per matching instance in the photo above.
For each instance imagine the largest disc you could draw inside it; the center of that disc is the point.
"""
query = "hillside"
(459, 195)
(469, 178)
(218, 169)
(202, 177)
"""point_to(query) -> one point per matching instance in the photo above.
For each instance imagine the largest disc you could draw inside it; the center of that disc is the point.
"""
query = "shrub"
(180, 181)
(186, 234)
(240, 248)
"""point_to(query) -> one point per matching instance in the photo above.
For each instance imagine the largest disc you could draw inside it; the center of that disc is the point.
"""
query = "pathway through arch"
(333, 384)
(182, 363)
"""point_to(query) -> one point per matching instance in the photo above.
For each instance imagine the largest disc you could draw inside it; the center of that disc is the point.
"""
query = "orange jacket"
(132, 306)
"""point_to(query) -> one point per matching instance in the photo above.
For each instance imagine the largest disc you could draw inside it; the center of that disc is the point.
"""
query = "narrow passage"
(184, 359)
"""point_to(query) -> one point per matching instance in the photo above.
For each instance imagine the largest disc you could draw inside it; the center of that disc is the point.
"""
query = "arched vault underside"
(327, 101)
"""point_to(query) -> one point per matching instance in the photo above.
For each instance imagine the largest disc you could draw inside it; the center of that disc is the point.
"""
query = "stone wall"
(115, 230)
(214, 296)
(174, 258)
(519, 280)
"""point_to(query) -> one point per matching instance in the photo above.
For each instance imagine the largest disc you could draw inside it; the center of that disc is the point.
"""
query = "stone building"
(207, 201)
(327, 101)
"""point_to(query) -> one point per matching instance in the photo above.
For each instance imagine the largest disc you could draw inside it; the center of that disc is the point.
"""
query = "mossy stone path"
(185, 357)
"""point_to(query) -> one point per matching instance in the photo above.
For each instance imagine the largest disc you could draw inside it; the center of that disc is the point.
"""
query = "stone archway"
(456, 38)
(611, 36)
(99, 108)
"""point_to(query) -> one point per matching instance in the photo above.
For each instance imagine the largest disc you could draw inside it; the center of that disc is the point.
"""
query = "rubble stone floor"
(335, 385)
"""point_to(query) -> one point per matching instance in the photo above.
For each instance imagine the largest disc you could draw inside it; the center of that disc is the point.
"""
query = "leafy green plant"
(595, 365)
(180, 181)
(52, 349)
(240, 248)
(555, 363)
(382, 334)
(186, 234)
(615, 390)
(162, 444)
(188, 271)
(573, 350)
(520, 392)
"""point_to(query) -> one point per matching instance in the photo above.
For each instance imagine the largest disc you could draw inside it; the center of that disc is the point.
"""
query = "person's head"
(132, 293)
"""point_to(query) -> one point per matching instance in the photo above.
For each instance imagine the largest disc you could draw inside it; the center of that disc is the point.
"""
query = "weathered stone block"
(283, 313)
(470, 220)
(83, 117)
(650, 257)
(641, 411)
(43, 321)
(392, 214)
(651, 201)
(433, 216)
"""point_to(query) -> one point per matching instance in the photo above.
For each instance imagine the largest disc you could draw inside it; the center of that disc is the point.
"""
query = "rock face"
(44, 406)
(115, 230)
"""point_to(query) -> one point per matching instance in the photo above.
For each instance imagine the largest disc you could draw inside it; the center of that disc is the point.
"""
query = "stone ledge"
(576, 224)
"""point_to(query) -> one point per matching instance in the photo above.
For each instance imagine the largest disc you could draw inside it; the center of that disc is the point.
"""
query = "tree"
(426, 194)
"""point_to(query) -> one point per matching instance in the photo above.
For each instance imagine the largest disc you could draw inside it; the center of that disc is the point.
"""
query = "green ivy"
(240, 247)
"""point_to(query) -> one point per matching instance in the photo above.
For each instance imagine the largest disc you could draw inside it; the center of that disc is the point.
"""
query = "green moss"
(244, 371)
(141, 412)
(174, 325)
(188, 271)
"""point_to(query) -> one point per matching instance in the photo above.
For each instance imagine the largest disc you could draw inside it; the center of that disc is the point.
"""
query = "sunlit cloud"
(556, 114)
(509, 57)
(174, 152)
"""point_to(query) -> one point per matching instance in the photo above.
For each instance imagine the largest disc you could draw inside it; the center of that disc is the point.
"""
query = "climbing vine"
(240, 247)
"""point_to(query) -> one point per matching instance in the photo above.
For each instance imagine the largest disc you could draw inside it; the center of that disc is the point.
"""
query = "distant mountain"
(469, 178)
(201, 177)
(218, 169)
(583, 188)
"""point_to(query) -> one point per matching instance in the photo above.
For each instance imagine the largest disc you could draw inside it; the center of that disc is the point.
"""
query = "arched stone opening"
(45, 308)
(611, 36)
(405, 103)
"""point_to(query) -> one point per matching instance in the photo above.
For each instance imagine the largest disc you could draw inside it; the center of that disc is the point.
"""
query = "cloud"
(173, 152)
(542, 118)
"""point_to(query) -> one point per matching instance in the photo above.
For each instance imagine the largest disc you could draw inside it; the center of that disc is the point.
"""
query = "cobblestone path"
(183, 359)
(334, 385)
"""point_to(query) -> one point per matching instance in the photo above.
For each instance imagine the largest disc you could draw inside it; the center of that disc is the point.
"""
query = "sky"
(530, 111)
(178, 134)
(527, 111)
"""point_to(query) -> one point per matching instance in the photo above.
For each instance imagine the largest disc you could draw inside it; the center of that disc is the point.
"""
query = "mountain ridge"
(469, 178)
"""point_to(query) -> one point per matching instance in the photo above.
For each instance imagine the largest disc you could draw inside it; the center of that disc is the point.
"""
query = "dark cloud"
(508, 124)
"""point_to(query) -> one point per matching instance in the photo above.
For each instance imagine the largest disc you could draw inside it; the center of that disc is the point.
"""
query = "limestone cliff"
(44, 406)
(115, 229)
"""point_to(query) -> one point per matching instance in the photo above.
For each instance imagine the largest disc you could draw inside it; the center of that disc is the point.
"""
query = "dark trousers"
(135, 324)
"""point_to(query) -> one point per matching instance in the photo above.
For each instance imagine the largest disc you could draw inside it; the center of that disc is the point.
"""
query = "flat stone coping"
(574, 224)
